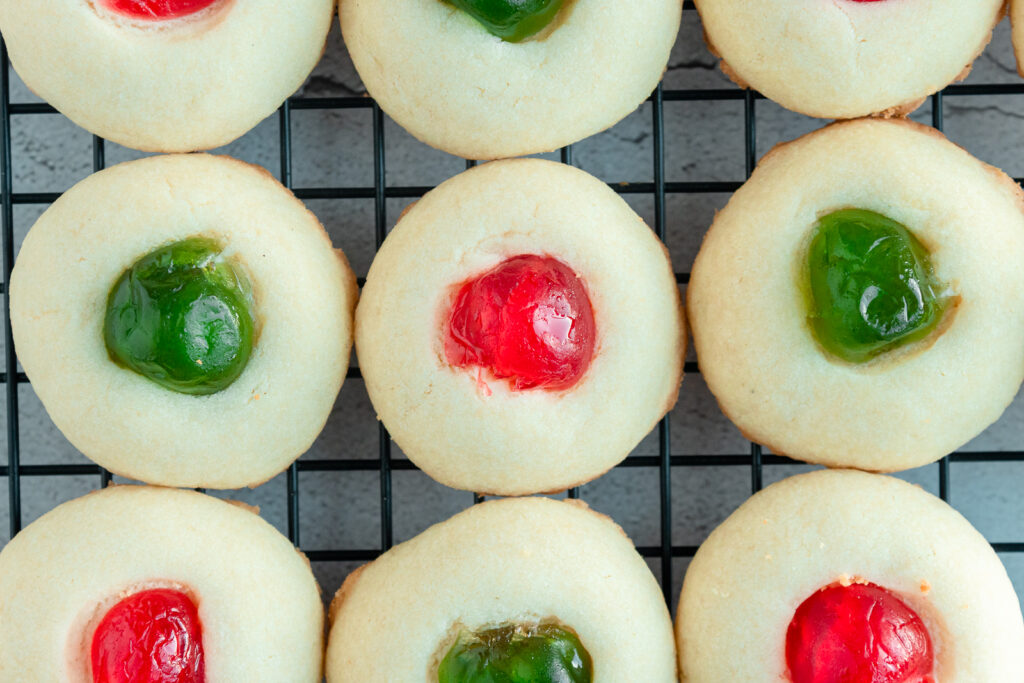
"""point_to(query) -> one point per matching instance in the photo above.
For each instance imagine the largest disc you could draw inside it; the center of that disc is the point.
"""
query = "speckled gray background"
(704, 141)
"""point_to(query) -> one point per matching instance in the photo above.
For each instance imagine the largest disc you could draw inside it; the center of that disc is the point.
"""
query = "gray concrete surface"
(704, 141)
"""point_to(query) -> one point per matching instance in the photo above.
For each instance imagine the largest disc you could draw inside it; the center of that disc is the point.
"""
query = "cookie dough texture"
(503, 561)
(475, 433)
(844, 59)
(169, 86)
(748, 311)
(438, 72)
(262, 619)
(304, 298)
(810, 531)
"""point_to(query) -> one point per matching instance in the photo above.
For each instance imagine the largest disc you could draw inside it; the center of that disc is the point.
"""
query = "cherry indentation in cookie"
(859, 633)
(527, 320)
(157, 10)
(153, 636)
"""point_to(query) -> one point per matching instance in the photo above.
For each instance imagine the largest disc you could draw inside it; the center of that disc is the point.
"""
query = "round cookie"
(512, 560)
(807, 532)
(749, 310)
(258, 604)
(194, 80)
(304, 295)
(848, 58)
(468, 429)
(444, 78)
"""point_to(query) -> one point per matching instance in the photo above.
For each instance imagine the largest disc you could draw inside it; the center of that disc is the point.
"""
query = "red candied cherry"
(157, 10)
(153, 636)
(527, 320)
(859, 633)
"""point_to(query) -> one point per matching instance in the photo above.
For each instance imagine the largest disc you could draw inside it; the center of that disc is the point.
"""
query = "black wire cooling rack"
(665, 552)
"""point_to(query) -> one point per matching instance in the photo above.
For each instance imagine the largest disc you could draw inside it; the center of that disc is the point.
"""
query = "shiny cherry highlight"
(859, 633)
(527, 320)
(153, 636)
(157, 10)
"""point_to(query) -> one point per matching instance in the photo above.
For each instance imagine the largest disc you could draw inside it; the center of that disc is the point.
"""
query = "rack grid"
(665, 552)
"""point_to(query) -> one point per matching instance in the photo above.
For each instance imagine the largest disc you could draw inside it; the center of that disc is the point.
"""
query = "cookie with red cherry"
(138, 583)
(165, 75)
(840, 59)
(840, 576)
(520, 330)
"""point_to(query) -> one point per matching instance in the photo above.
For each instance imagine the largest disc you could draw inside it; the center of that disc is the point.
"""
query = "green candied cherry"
(182, 317)
(511, 20)
(872, 287)
(516, 653)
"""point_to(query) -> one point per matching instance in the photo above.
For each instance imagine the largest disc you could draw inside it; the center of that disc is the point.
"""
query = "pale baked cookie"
(839, 545)
(840, 59)
(520, 329)
(165, 75)
(908, 369)
(412, 614)
(200, 583)
(439, 73)
(242, 382)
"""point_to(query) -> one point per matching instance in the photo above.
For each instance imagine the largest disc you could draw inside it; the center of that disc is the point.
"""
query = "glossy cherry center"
(528, 320)
(150, 637)
(859, 633)
(157, 10)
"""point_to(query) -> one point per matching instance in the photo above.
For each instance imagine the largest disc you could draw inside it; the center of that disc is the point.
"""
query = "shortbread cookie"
(444, 77)
(784, 588)
(184, 320)
(842, 59)
(136, 579)
(165, 75)
(860, 302)
(547, 585)
(520, 330)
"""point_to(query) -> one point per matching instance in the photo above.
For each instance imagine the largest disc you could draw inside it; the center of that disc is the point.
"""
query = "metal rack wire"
(664, 462)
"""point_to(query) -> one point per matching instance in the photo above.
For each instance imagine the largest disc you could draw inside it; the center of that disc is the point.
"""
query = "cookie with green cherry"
(858, 302)
(184, 320)
(518, 590)
(493, 79)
